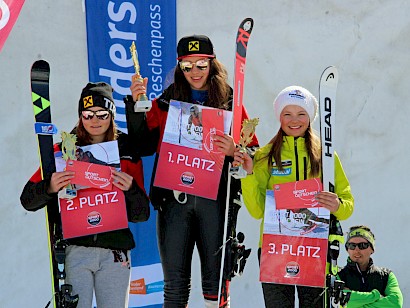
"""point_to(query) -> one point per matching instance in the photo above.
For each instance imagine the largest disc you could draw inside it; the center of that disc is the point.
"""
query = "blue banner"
(112, 26)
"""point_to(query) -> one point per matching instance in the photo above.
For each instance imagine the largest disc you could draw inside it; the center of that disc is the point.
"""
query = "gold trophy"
(68, 149)
(247, 133)
(143, 104)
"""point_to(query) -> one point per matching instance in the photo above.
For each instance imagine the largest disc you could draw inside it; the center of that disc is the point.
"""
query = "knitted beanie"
(295, 95)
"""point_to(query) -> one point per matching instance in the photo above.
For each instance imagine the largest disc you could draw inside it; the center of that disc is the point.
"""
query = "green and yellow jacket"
(295, 161)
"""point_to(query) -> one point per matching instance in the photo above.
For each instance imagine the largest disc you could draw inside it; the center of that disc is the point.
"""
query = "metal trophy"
(247, 133)
(143, 104)
(68, 149)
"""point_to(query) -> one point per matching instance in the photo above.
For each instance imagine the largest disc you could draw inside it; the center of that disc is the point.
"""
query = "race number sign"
(93, 211)
(295, 236)
(189, 161)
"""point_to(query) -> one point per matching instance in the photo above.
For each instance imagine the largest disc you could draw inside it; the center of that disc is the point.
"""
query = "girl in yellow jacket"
(293, 154)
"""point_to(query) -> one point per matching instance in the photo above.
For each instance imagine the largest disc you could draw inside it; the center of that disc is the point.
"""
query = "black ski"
(40, 73)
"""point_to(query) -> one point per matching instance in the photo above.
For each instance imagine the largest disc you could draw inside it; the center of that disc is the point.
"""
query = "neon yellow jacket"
(295, 161)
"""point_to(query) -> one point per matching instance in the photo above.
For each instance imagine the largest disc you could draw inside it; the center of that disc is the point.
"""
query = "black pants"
(283, 296)
(179, 228)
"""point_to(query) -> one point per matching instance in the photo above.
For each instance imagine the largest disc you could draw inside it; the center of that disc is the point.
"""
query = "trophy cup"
(68, 149)
(142, 104)
(247, 133)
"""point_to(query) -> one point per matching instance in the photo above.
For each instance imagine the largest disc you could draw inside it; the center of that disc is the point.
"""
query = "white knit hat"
(295, 95)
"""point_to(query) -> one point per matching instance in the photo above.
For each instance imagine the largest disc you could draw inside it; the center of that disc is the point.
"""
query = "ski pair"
(40, 74)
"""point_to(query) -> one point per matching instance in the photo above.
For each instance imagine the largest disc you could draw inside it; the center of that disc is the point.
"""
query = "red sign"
(297, 195)
(93, 211)
(295, 235)
(196, 171)
(9, 12)
(90, 175)
(293, 260)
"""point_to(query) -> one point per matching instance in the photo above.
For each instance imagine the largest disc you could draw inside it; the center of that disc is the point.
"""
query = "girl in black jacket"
(100, 262)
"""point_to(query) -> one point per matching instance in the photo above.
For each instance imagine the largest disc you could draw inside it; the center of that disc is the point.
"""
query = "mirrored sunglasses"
(100, 114)
(187, 66)
(362, 246)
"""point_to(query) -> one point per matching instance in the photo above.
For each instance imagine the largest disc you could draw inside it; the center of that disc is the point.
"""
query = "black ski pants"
(180, 227)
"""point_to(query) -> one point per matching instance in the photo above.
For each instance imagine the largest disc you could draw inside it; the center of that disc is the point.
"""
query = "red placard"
(90, 175)
(188, 165)
(297, 195)
(293, 260)
(93, 211)
(295, 237)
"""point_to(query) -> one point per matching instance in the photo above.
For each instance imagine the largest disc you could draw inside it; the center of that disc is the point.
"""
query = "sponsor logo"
(187, 178)
(283, 172)
(94, 218)
(138, 286)
(297, 94)
(88, 101)
(193, 46)
(45, 128)
(292, 269)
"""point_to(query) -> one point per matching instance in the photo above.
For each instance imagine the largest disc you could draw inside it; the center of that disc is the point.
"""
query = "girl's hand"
(137, 87)
(59, 180)
(241, 158)
(121, 180)
(225, 144)
(328, 200)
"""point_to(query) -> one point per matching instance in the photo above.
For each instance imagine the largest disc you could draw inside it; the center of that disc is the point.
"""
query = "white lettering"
(301, 250)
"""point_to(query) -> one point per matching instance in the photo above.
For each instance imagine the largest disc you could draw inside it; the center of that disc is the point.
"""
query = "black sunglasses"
(100, 114)
(362, 246)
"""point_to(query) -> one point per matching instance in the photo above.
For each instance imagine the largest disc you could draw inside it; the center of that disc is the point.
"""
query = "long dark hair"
(313, 148)
(84, 138)
(219, 91)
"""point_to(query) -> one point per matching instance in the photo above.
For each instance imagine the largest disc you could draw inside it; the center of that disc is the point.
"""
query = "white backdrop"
(292, 42)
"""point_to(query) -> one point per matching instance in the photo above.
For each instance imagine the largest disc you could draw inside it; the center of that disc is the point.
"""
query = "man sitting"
(370, 285)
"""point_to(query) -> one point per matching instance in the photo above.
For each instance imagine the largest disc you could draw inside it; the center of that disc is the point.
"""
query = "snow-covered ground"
(292, 43)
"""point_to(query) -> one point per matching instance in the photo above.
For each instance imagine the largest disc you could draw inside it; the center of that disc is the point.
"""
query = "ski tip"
(330, 74)
(40, 65)
(247, 24)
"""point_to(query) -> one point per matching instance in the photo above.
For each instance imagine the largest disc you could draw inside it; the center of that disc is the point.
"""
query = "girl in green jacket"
(293, 154)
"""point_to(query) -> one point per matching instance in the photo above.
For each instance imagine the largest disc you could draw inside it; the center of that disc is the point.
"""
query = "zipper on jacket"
(360, 272)
(304, 168)
(295, 143)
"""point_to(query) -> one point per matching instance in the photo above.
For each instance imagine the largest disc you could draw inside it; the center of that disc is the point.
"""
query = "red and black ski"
(234, 254)
(242, 38)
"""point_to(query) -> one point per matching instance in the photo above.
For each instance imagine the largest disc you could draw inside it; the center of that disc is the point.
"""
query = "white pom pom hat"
(299, 96)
